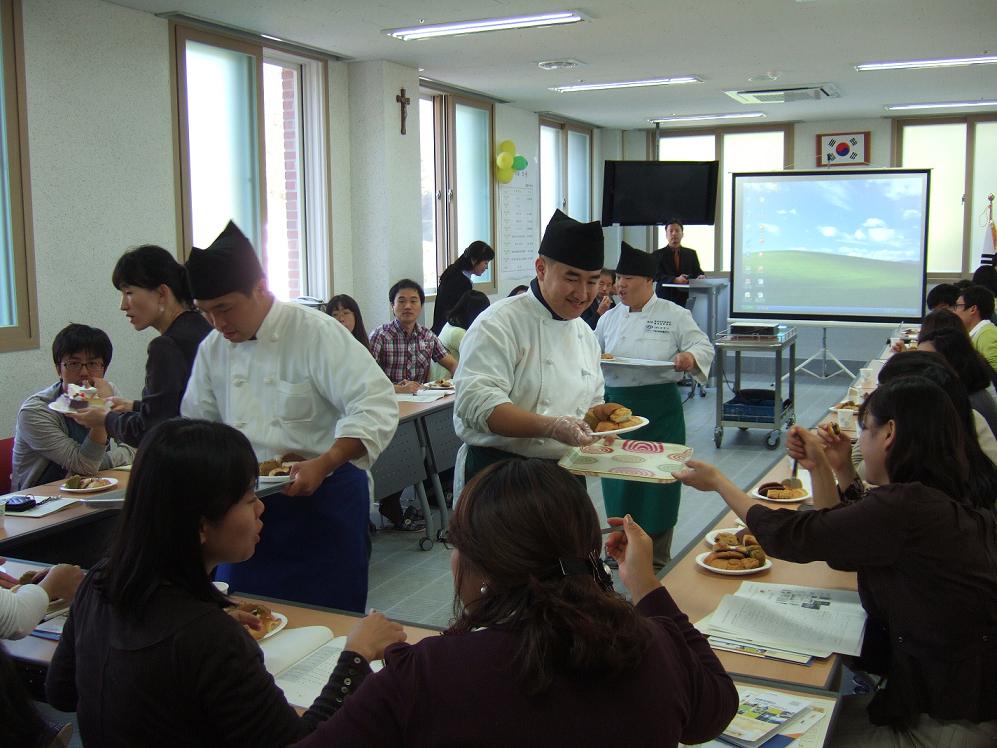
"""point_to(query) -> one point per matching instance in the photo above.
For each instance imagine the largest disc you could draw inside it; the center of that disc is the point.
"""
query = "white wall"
(341, 219)
(384, 185)
(100, 144)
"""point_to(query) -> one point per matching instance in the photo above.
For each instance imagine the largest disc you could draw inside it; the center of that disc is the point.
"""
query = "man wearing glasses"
(49, 446)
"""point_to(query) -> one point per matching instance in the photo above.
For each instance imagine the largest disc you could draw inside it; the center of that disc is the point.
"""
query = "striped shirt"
(405, 356)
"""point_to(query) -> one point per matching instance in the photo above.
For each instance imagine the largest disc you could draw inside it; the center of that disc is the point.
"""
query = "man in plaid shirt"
(403, 348)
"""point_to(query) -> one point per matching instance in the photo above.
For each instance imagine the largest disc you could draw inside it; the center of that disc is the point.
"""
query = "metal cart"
(729, 414)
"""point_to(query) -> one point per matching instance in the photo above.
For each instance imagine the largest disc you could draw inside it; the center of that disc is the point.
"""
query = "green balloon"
(519, 163)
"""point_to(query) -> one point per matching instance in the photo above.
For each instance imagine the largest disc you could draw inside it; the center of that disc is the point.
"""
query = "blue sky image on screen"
(844, 245)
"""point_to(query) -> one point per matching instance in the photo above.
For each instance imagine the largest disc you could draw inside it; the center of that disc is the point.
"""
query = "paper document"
(424, 396)
(760, 715)
(806, 620)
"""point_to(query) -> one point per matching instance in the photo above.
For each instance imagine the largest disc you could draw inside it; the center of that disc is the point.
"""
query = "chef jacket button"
(549, 362)
(268, 380)
(238, 382)
(275, 337)
(545, 401)
(275, 422)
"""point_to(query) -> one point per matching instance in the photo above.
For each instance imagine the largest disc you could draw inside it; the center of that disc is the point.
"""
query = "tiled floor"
(416, 586)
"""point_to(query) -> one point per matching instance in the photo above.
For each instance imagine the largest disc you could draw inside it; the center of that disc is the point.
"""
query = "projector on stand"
(756, 330)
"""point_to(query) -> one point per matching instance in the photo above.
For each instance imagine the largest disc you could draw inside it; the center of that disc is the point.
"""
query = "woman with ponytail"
(154, 293)
(542, 651)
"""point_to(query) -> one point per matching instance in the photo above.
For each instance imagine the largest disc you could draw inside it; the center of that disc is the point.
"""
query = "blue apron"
(313, 549)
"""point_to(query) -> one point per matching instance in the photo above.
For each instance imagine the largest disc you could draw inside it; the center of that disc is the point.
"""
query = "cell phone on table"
(20, 503)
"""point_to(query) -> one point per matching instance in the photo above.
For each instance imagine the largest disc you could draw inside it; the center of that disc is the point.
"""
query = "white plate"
(111, 483)
(61, 405)
(627, 430)
(627, 361)
(275, 479)
(754, 492)
(439, 387)
(732, 572)
(711, 536)
(278, 628)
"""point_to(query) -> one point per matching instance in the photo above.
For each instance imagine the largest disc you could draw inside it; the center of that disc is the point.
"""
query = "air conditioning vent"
(785, 94)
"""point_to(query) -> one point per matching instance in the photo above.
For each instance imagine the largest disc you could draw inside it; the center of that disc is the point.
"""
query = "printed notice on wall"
(517, 227)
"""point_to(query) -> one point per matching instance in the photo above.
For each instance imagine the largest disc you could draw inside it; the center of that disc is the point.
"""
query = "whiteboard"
(518, 229)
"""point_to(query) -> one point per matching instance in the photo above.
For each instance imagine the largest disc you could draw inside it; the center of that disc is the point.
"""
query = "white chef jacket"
(516, 352)
(300, 385)
(658, 331)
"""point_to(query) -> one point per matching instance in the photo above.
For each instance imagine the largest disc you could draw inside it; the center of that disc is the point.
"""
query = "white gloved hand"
(572, 431)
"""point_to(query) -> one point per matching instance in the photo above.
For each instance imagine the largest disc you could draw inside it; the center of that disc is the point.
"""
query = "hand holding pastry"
(837, 447)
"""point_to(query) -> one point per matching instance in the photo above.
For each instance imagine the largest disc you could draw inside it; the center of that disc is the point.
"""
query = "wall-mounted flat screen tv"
(649, 193)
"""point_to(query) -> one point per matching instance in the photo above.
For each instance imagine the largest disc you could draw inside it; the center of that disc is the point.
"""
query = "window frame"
(315, 219)
(969, 264)
(565, 126)
(655, 135)
(445, 157)
(24, 334)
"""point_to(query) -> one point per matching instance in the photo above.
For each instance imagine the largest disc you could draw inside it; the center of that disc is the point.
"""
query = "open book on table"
(301, 661)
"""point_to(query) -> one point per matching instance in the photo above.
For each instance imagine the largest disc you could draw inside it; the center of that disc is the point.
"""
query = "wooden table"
(698, 593)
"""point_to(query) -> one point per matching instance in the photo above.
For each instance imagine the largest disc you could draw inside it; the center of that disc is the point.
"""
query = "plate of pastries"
(734, 554)
(278, 470)
(270, 620)
(439, 384)
(779, 493)
(612, 418)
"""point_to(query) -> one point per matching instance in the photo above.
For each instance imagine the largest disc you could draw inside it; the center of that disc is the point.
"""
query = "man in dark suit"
(676, 264)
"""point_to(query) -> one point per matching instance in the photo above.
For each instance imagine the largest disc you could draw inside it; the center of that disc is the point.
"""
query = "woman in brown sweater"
(542, 651)
(925, 550)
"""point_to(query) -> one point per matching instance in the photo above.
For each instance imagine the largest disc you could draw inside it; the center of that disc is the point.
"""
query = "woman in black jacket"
(154, 293)
(149, 656)
(456, 279)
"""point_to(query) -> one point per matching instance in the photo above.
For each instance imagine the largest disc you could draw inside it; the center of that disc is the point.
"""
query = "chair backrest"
(6, 463)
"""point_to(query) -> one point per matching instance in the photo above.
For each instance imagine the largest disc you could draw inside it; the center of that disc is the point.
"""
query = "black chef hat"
(635, 262)
(573, 243)
(230, 264)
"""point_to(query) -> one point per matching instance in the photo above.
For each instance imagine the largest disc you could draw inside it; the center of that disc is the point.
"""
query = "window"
(18, 306)
(252, 140)
(738, 150)
(565, 171)
(455, 143)
(960, 153)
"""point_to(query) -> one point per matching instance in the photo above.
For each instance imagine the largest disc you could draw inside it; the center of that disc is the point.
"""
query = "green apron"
(478, 458)
(654, 506)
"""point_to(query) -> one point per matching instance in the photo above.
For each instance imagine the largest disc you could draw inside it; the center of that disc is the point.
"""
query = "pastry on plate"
(268, 620)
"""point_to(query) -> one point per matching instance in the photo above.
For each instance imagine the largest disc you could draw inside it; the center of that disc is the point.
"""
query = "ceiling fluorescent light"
(941, 105)
(429, 31)
(951, 62)
(674, 81)
(697, 117)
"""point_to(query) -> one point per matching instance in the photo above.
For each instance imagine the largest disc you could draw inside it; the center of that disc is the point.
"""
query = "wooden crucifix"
(403, 101)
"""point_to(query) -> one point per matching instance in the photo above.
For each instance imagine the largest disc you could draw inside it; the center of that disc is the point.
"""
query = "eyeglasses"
(74, 366)
(958, 306)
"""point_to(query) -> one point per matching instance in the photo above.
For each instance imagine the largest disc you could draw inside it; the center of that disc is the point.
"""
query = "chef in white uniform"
(292, 380)
(644, 326)
(529, 366)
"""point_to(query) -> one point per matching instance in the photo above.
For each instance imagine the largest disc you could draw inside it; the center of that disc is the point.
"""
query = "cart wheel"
(441, 535)
(425, 544)
(702, 391)
(718, 436)
(773, 439)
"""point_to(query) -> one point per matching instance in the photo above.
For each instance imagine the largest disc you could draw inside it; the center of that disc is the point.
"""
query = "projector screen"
(829, 245)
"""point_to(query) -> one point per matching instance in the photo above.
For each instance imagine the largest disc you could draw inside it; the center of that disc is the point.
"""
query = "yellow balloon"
(504, 160)
(507, 146)
(504, 176)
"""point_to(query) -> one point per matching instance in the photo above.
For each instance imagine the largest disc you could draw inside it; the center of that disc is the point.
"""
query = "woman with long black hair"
(922, 541)
(149, 655)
